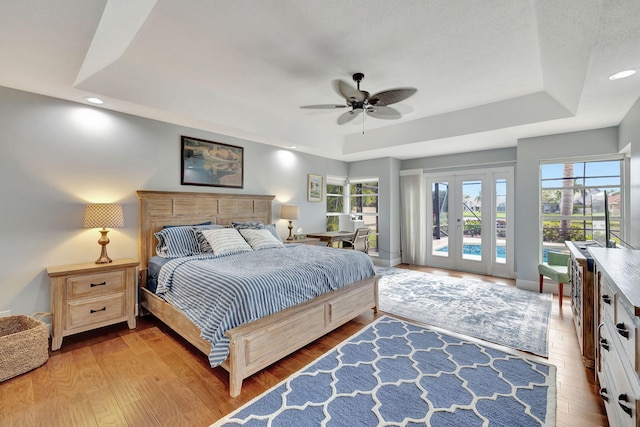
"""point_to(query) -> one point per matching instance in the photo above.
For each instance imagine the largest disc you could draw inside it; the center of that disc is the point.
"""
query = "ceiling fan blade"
(323, 106)
(391, 96)
(348, 116)
(348, 92)
(384, 112)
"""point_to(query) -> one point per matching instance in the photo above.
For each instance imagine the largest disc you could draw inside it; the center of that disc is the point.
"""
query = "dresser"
(305, 241)
(617, 273)
(89, 296)
(582, 302)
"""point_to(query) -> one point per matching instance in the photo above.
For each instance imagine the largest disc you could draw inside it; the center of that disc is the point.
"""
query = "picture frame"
(211, 163)
(315, 187)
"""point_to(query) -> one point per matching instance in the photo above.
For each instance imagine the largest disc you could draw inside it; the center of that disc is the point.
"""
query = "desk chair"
(557, 269)
(360, 240)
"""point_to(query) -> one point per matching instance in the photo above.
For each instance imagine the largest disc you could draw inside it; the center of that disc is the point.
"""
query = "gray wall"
(531, 152)
(629, 135)
(388, 172)
(56, 156)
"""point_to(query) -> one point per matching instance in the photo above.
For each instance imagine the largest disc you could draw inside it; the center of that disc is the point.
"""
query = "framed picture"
(211, 163)
(314, 188)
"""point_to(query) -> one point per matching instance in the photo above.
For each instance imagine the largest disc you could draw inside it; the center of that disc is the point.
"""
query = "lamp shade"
(103, 215)
(290, 212)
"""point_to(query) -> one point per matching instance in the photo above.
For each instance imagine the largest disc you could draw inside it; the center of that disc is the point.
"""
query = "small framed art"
(314, 188)
(211, 163)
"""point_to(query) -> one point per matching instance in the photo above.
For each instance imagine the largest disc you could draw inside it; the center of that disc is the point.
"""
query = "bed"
(258, 344)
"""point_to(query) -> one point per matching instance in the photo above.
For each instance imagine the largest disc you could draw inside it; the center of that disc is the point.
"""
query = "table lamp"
(103, 215)
(290, 212)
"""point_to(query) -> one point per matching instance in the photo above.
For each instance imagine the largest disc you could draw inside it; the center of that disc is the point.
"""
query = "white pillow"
(226, 241)
(260, 239)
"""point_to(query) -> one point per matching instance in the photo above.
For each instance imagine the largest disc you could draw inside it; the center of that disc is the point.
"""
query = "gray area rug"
(500, 314)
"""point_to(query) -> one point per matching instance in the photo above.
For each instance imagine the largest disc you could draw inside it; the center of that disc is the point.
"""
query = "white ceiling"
(487, 73)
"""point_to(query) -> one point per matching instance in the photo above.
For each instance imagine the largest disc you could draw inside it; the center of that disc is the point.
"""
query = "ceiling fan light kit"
(376, 105)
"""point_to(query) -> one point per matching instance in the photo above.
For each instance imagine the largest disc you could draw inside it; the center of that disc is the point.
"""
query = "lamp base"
(103, 241)
(290, 230)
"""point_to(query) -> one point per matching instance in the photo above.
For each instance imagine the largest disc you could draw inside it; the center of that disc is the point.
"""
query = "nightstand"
(89, 296)
(305, 241)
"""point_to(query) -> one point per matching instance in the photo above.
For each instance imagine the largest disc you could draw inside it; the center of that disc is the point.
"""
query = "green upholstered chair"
(557, 269)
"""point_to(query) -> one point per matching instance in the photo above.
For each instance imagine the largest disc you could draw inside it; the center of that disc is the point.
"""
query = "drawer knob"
(606, 299)
(93, 285)
(623, 398)
(622, 330)
(604, 344)
(603, 394)
(96, 311)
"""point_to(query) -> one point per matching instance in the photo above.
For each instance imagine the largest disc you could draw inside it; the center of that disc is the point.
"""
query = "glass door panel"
(501, 221)
(440, 203)
(471, 220)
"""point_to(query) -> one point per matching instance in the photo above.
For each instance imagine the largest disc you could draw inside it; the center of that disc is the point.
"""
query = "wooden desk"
(305, 241)
(332, 237)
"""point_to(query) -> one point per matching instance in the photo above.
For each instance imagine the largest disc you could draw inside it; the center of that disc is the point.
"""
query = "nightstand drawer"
(88, 312)
(90, 285)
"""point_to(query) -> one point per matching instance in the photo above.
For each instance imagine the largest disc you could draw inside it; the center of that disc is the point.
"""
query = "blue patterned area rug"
(398, 373)
(501, 314)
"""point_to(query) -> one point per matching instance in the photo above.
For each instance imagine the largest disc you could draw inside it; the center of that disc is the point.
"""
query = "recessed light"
(94, 100)
(622, 74)
(293, 147)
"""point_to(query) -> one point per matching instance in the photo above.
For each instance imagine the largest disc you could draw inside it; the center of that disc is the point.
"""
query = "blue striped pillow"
(260, 239)
(176, 242)
(226, 241)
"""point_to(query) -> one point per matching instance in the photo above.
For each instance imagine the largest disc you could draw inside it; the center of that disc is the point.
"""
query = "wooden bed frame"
(258, 344)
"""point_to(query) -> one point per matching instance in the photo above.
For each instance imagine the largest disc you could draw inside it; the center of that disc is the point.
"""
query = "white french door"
(470, 221)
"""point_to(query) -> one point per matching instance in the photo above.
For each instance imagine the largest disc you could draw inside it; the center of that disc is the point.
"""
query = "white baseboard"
(386, 263)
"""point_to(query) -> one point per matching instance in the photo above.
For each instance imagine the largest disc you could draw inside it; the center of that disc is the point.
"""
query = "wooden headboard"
(160, 208)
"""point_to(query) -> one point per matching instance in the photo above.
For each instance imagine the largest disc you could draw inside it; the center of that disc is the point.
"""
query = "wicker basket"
(24, 344)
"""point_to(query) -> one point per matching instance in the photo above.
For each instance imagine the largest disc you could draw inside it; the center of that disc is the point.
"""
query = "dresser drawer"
(608, 299)
(87, 313)
(90, 285)
(622, 392)
(627, 333)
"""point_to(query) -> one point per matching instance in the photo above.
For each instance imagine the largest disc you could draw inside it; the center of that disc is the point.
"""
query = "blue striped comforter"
(218, 294)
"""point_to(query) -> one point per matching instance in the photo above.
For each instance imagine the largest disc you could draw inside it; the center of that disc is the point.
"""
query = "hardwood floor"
(149, 376)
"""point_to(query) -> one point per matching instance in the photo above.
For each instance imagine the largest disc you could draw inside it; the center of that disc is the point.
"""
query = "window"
(363, 198)
(336, 196)
(565, 200)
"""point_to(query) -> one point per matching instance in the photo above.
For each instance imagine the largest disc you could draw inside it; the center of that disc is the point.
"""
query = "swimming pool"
(501, 251)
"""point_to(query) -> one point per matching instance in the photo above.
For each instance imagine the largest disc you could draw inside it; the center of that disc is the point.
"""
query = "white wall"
(56, 156)
(531, 152)
(629, 135)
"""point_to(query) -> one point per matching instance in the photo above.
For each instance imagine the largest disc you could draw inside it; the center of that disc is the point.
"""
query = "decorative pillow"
(272, 228)
(176, 241)
(247, 224)
(188, 225)
(226, 241)
(260, 239)
(203, 244)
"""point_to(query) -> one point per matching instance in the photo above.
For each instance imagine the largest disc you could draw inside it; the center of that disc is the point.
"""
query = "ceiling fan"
(376, 105)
